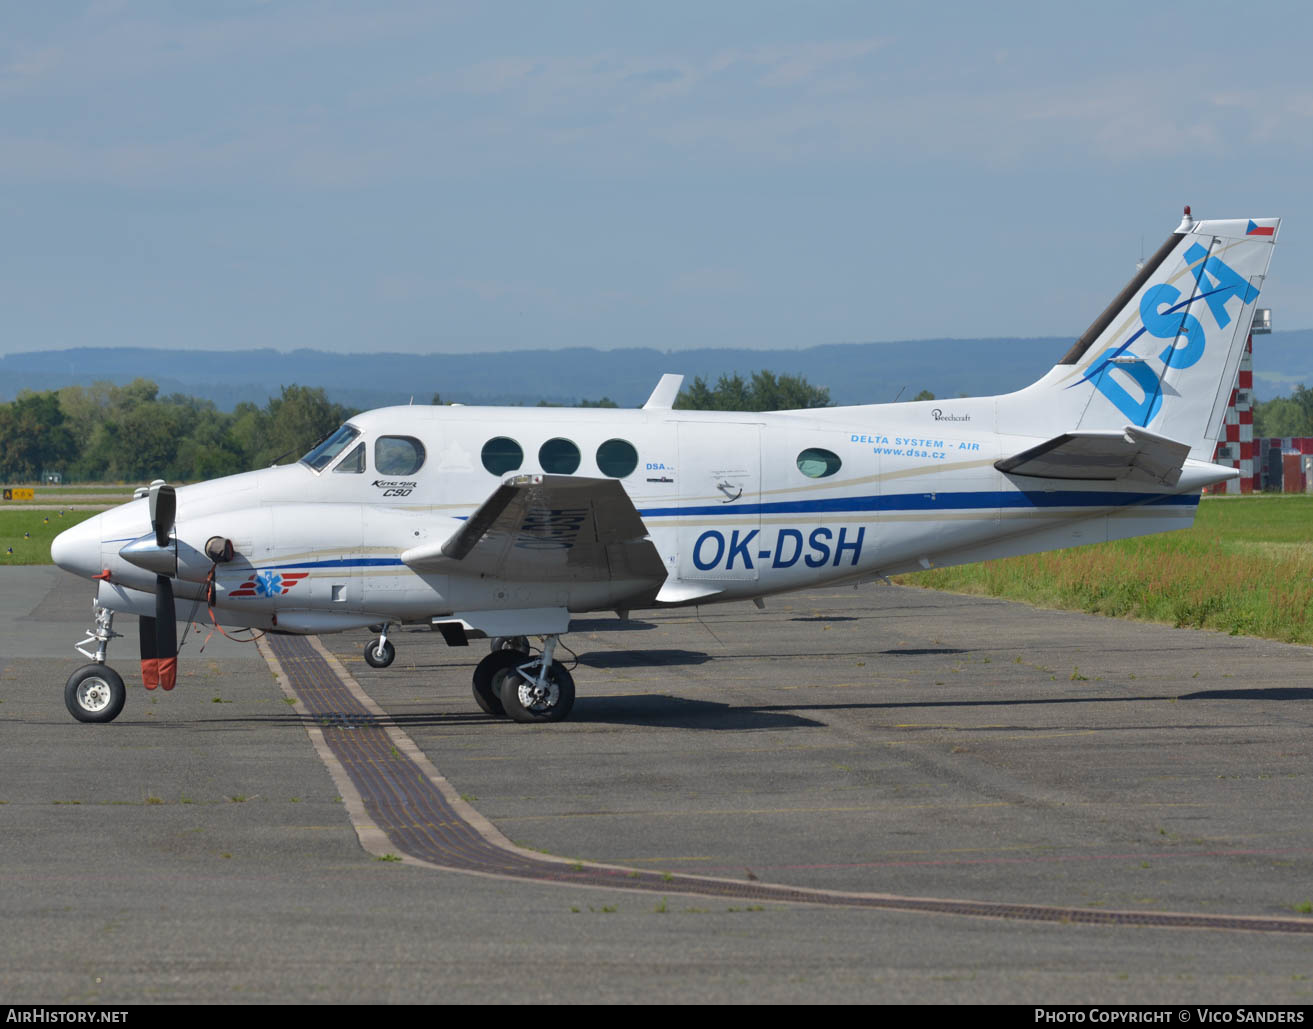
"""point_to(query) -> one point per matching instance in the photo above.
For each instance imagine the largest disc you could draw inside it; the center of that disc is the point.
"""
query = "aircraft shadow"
(643, 658)
(1262, 693)
(920, 651)
(661, 711)
(610, 625)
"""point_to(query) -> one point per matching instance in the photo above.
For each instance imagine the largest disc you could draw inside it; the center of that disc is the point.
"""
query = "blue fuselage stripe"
(345, 562)
(931, 502)
(972, 501)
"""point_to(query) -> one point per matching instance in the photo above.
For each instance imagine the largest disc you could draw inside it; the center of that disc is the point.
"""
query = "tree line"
(109, 433)
(1285, 416)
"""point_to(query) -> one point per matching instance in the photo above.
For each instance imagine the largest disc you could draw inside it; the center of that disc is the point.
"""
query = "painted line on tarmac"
(402, 807)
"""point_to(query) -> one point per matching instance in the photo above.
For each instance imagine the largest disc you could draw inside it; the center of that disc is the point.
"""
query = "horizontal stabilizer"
(676, 591)
(549, 528)
(1134, 455)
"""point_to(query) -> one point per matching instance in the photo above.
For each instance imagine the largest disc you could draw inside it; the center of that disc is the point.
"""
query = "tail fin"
(1164, 354)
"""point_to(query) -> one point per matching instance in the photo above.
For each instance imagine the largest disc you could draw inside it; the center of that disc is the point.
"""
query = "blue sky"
(480, 177)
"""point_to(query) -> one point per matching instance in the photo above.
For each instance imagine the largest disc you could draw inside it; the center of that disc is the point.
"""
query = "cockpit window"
(353, 462)
(398, 455)
(320, 457)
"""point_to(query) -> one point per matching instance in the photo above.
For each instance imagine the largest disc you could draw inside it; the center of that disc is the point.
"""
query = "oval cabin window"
(502, 454)
(617, 458)
(816, 463)
(559, 457)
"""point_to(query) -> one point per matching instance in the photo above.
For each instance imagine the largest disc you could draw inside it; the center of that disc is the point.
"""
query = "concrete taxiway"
(886, 740)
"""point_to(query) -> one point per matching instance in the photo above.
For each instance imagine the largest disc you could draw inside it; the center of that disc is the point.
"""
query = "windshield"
(321, 455)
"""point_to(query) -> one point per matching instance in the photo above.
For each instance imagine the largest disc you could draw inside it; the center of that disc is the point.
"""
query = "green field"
(28, 533)
(1246, 567)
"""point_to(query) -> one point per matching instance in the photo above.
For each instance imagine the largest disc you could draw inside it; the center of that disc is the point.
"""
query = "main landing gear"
(523, 687)
(95, 692)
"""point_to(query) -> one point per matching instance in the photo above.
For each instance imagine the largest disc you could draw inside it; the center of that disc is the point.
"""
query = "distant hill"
(855, 373)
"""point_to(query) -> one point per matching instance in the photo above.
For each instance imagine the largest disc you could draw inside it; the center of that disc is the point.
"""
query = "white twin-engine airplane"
(505, 522)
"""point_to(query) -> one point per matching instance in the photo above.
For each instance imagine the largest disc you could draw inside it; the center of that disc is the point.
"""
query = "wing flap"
(549, 528)
(1133, 455)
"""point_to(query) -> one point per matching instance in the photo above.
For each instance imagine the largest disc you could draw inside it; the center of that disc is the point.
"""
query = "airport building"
(1235, 447)
(1272, 465)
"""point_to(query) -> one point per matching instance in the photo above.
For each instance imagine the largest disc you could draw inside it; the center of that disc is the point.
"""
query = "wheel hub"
(539, 698)
(94, 694)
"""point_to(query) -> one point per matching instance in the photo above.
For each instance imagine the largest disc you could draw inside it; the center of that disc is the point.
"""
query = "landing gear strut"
(95, 692)
(538, 690)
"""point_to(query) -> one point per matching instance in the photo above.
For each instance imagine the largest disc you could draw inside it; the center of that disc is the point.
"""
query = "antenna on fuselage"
(900, 393)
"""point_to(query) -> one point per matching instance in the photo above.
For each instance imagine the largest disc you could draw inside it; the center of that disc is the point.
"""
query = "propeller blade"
(150, 663)
(166, 632)
(163, 508)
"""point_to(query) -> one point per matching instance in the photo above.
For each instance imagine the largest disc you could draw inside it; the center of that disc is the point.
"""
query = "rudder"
(1164, 354)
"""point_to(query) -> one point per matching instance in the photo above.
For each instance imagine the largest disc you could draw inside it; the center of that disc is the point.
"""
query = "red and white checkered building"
(1235, 447)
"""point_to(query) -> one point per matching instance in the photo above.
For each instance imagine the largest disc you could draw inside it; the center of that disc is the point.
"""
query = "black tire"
(520, 707)
(484, 693)
(380, 657)
(95, 693)
(520, 643)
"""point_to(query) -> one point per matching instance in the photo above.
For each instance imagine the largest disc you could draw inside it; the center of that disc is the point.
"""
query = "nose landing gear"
(95, 692)
(381, 653)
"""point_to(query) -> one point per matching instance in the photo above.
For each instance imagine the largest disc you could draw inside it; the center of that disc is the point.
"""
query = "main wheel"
(525, 701)
(509, 643)
(95, 693)
(379, 657)
(484, 693)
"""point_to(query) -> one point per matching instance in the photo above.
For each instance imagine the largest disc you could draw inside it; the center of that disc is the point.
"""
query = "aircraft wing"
(549, 528)
(1133, 454)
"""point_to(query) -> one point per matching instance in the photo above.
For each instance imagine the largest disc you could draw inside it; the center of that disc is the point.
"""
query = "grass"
(1246, 567)
(28, 533)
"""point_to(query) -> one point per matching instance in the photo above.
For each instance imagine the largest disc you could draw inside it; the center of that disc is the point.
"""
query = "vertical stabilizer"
(1164, 354)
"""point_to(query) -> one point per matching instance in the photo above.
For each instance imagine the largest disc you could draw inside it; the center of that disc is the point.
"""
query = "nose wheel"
(380, 653)
(95, 693)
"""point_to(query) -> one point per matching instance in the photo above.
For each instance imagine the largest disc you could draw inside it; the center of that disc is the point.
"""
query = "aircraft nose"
(77, 550)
